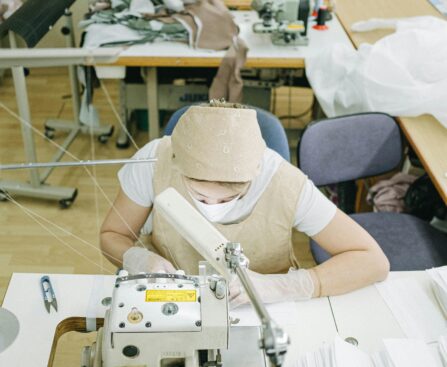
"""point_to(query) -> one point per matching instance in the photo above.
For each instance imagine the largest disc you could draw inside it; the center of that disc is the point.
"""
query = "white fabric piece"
(414, 308)
(88, 114)
(438, 278)
(296, 285)
(314, 211)
(138, 259)
(156, 25)
(94, 303)
(396, 353)
(374, 23)
(409, 353)
(175, 5)
(142, 7)
(403, 74)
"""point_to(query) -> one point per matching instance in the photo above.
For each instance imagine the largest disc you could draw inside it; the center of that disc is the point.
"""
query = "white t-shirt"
(313, 213)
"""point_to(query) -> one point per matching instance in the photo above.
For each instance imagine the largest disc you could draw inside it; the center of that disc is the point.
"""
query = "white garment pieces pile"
(205, 24)
(438, 278)
(403, 74)
(396, 353)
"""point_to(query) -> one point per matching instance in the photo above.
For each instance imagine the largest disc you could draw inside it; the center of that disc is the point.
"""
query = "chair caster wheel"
(3, 195)
(123, 144)
(104, 138)
(49, 132)
(66, 203)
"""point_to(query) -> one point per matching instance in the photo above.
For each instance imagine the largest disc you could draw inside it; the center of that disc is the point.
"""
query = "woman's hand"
(296, 285)
(138, 259)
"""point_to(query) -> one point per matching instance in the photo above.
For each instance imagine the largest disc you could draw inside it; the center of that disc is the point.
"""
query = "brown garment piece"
(187, 20)
(265, 235)
(227, 83)
(216, 27)
(209, 23)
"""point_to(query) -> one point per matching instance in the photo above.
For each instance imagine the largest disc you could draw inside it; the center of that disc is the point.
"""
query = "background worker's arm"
(121, 227)
(357, 260)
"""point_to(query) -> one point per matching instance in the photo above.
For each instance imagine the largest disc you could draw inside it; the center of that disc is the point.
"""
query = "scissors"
(48, 293)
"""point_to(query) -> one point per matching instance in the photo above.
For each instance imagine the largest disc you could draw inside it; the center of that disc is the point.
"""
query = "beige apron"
(265, 235)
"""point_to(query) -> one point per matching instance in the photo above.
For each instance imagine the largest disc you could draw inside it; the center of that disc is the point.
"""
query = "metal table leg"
(152, 103)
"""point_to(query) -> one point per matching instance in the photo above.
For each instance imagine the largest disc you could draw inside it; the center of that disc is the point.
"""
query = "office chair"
(271, 129)
(358, 146)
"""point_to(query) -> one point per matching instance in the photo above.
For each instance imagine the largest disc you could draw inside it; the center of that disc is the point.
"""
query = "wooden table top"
(426, 134)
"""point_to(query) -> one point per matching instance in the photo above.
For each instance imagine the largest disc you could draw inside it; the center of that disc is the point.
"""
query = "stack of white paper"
(396, 353)
(414, 307)
(338, 353)
(438, 277)
(443, 348)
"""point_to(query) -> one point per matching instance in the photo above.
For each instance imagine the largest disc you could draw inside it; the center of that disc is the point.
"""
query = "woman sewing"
(217, 160)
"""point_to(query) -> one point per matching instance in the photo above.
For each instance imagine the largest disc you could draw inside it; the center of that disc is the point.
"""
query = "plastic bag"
(403, 74)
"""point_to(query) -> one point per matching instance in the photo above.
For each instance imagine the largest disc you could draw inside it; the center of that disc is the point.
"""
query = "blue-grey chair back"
(351, 147)
(271, 129)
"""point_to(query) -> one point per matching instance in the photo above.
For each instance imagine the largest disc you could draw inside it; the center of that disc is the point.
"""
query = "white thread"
(27, 212)
(12, 113)
(115, 112)
(93, 157)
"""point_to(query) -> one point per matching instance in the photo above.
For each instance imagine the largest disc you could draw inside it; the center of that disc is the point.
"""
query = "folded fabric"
(206, 24)
(388, 195)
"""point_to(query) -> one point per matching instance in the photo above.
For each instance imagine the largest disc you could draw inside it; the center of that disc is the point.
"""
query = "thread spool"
(323, 13)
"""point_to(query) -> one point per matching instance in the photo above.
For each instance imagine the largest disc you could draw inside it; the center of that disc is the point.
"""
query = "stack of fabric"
(202, 24)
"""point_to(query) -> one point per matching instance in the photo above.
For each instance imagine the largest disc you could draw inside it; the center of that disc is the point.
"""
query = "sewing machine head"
(173, 320)
(286, 20)
(165, 320)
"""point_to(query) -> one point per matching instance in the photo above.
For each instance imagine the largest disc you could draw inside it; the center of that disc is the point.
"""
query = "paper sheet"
(410, 353)
(441, 5)
(414, 308)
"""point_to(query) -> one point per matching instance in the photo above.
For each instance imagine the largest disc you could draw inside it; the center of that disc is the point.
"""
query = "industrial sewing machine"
(174, 320)
(286, 20)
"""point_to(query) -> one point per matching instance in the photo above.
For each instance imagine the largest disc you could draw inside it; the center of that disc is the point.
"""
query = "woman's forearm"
(114, 245)
(350, 270)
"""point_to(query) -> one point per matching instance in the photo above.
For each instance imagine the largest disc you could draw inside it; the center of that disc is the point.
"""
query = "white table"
(262, 54)
(362, 314)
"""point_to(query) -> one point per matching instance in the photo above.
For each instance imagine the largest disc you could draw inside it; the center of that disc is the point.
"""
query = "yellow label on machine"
(295, 26)
(166, 295)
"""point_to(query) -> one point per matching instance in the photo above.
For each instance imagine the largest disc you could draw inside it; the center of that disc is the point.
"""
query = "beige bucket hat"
(218, 144)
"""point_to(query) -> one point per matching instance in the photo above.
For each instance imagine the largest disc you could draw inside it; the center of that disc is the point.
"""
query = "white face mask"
(215, 212)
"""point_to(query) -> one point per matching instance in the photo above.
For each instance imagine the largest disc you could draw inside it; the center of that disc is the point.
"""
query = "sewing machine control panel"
(156, 305)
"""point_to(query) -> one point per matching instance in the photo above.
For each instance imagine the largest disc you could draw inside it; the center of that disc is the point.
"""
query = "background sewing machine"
(176, 75)
(285, 20)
